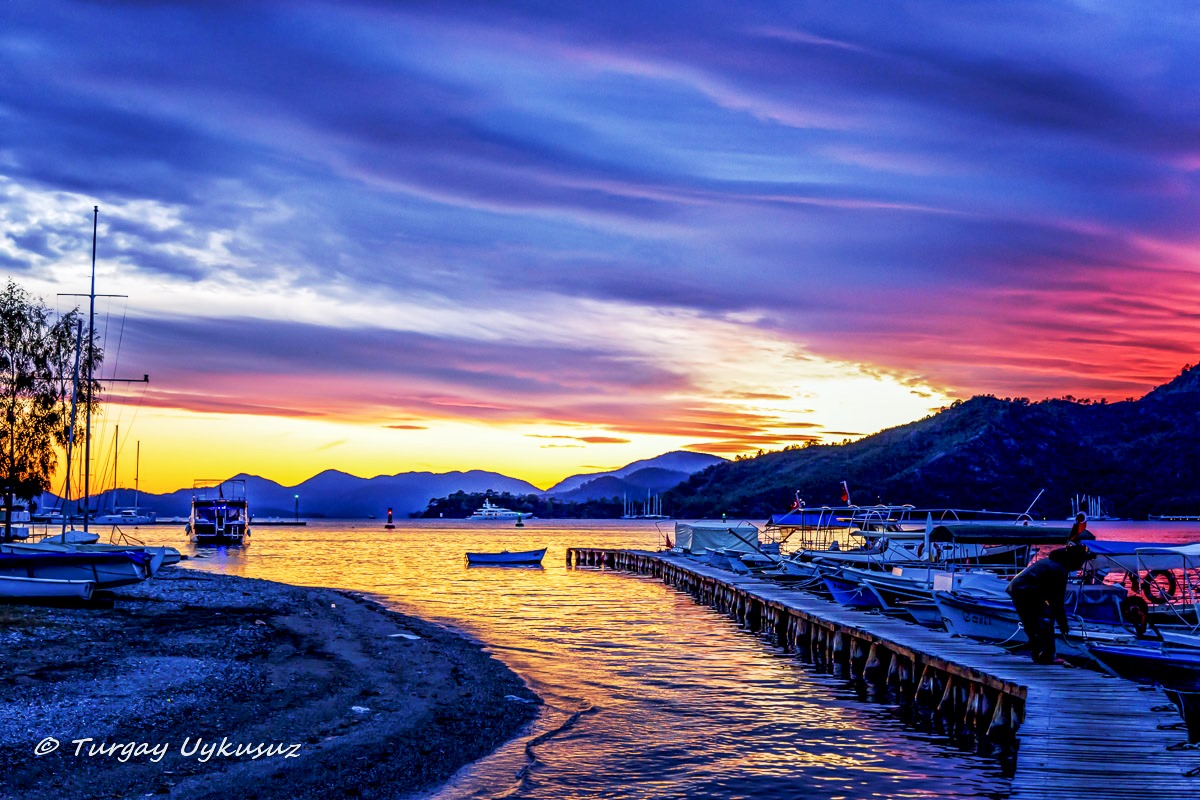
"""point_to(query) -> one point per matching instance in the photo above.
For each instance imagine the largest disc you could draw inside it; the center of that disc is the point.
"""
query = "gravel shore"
(326, 693)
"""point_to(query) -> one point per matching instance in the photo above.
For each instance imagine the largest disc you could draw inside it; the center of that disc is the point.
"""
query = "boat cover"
(694, 537)
(982, 533)
(1095, 603)
(1137, 556)
(48, 558)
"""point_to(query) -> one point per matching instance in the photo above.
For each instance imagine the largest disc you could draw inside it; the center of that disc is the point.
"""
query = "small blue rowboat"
(505, 559)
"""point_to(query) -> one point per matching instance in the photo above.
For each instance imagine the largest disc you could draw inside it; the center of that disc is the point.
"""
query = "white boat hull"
(989, 620)
(13, 587)
(125, 519)
(500, 518)
(106, 575)
(71, 537)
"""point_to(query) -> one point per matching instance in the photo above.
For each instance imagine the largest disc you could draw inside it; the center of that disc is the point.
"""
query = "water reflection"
(664, 698)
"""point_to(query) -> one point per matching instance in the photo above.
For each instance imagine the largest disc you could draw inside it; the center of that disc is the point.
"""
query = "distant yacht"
(127, 516)
(492, 511)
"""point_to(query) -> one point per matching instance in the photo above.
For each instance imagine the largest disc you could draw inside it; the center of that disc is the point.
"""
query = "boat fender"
(1135, 611)
(1155, 593)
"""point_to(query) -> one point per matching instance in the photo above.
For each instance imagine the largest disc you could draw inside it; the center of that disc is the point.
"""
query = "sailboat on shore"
(126, 516)
(71, 565)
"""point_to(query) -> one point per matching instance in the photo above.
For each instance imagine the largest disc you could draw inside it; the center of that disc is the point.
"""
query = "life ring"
(1153, 591)
(1135, 611)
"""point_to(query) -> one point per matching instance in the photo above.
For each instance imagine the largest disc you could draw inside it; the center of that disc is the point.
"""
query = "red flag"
(845, 493)
(797, 503)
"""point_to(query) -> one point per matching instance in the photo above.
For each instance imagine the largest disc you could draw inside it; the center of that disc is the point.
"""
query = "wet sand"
(314, 681)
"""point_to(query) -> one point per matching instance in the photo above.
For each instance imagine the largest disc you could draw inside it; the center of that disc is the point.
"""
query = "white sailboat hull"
(13, 587)
(105, 575)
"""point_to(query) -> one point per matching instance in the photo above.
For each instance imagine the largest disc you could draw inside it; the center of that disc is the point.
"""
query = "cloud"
(585, 439)
(630, 221)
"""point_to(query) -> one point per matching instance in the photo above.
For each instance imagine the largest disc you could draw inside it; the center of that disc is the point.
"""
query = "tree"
(37, 367)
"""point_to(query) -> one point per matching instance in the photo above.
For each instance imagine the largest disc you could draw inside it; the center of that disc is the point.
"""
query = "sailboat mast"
(87, 441)
(116, 448)
(66, 501)
(137, 468)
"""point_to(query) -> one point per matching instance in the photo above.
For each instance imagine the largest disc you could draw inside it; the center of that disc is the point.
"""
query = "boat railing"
(215, 489)
(1170, 579)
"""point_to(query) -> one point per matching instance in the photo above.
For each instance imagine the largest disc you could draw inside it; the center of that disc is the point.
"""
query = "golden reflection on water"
(686, 704)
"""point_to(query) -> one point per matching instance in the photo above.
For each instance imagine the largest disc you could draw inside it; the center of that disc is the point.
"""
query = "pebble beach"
(200, 685)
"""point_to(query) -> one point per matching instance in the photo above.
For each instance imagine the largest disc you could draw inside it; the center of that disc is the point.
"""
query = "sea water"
(648, 695)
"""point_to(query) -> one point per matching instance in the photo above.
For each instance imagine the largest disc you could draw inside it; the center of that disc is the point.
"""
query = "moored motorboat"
(506, 558)
(131, 517)
(490, 511)
(704, 536)
(917, 582)
(220, 513)
(879, 537)
(1004, 549)
(1095, 613)
(1179, 636)
(1151, 663)
(852, 593)
(922, 613)
(1164, 574)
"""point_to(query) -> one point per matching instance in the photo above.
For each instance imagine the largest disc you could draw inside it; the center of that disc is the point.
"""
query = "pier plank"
(1083, 731)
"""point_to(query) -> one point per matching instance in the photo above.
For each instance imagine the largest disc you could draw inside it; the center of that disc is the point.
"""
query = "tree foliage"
(37, 367)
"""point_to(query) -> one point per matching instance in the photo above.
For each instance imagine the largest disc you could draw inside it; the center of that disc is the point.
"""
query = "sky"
(552, 238)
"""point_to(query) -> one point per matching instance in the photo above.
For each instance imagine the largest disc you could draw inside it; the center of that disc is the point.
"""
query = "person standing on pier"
(1042, 587)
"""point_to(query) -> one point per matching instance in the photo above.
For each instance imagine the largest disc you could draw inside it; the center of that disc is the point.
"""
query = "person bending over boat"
(1044, 584)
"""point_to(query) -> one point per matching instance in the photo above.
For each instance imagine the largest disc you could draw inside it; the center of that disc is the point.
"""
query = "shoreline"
(200, 685)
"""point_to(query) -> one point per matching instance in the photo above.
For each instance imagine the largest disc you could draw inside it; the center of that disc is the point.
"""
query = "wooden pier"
(1077, 733)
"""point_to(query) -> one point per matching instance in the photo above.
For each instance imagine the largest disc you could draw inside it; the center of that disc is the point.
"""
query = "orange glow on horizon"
(179, 446)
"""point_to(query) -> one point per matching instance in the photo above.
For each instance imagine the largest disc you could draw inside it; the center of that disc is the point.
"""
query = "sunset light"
(530, 244)
(576, 400)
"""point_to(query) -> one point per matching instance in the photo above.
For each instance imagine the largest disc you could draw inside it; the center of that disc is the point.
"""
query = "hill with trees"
(1142, 456)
